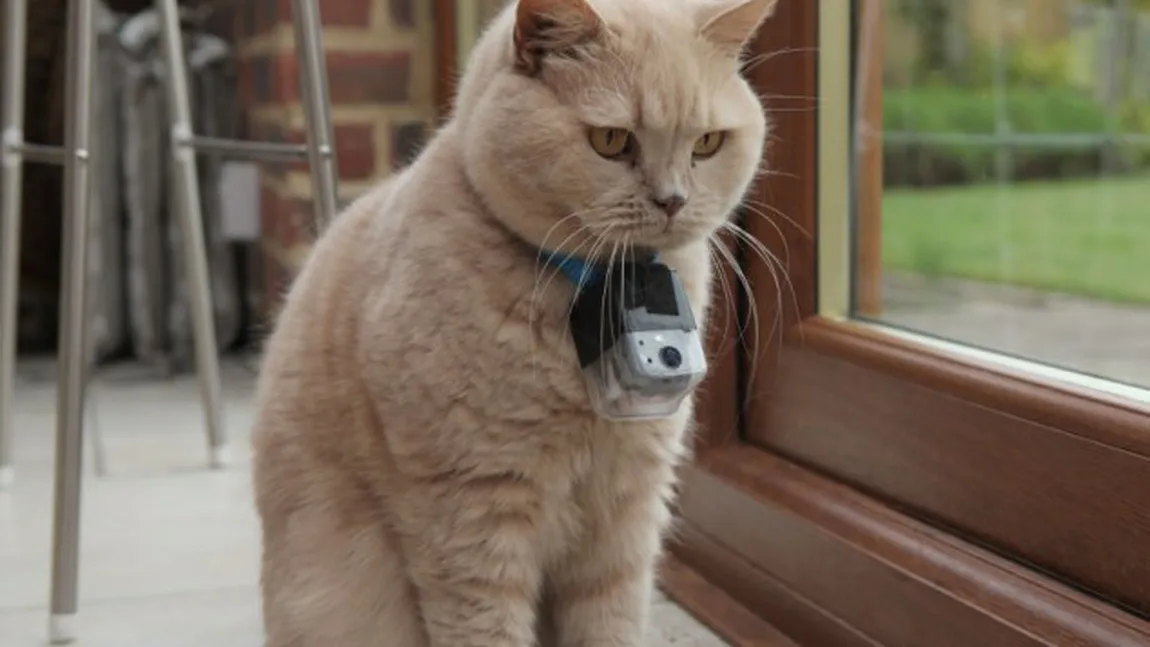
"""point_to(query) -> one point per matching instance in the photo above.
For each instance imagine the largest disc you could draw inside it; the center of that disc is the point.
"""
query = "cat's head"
(586, 121)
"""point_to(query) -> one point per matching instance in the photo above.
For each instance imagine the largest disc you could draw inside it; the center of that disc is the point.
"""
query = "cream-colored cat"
(428, 470)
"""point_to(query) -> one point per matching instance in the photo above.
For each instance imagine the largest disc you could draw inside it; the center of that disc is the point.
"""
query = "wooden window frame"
(857, 487)
(447, 37)
(880, 488)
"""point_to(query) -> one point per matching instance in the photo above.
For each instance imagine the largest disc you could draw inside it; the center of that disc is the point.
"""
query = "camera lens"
(671, 357)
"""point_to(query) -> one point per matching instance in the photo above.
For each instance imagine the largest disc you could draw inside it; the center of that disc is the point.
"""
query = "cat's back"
(318, 314)
(405, 272)
(308, 378)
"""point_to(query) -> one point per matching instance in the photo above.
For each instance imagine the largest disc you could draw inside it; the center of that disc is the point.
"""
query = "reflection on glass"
(1003, 176)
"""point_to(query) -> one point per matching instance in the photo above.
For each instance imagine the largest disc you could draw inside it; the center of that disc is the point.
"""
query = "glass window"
(1002, 177)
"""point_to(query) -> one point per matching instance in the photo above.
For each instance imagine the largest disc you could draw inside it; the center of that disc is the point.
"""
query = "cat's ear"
(731, 24)
(552, 28)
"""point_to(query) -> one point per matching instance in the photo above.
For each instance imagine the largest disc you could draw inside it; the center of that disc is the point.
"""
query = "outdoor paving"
(1103, 339)
(169, 550)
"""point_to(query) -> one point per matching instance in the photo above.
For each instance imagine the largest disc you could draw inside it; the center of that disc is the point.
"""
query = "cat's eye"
(709, 144)
(611, 143)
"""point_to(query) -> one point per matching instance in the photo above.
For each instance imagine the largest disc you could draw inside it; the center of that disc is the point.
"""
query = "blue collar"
(577, 270)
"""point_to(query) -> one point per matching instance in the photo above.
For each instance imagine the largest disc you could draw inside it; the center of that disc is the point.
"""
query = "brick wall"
(381, 71)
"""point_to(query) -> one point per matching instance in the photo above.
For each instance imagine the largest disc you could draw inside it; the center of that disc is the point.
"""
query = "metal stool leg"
(187, 187)
(73, 359)
(317, 108)
(11, 183)
(93, 430)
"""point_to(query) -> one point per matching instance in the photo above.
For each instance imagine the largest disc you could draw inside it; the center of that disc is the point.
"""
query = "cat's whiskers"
(541, 267)
(776, 211)
(773, 265)
(753, 310)
(626, 258)
(601, 241)
(551, 231)
(540, 286)
(773, 109)
(597, 241)
(593, 243)
(771, 103)
(755, 61)
(769, 258)
(716, 260)
(767, 172)
(606, 295)
(767, 96)
(535, 308)
(752, 210)
(632, 222)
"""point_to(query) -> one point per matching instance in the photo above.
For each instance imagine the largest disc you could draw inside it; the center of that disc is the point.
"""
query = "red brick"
(273, 79)
(256, 17)
(354, 78)
(381, 77)
(285, 224)
(354, 151)
(258, 80)
(372, 78)
(268, 131)
(285, 221)
(228, 19)
(263, 131)
(259, 17)
(245, 83)
(336, 13)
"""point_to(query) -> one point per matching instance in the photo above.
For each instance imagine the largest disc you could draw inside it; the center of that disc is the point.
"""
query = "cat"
(428, 470)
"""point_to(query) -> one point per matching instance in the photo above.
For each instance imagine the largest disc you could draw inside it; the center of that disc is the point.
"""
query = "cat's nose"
(671, 204)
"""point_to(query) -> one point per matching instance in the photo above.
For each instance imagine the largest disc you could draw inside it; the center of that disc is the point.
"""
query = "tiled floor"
(169, 550)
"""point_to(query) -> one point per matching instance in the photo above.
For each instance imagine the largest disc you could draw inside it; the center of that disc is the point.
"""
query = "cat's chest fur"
(468, 354)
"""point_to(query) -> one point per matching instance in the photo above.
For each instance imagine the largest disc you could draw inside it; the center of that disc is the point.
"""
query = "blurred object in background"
(138, 306)
(385, 67)
(43, 199)
(160, 330)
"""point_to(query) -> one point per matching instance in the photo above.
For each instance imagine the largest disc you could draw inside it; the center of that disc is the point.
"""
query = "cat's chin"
(654, 241)
(674, 239)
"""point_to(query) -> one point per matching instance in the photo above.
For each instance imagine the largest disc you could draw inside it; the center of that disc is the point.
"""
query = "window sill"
(1006, 460)
(829, 566)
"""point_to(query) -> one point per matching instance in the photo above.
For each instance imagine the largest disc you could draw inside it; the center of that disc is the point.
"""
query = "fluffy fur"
(428, 472)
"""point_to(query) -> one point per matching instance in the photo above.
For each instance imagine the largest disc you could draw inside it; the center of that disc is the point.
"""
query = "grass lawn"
(1089, 237)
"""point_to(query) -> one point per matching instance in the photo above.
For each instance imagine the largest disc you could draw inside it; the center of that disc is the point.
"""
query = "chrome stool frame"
(75, 156)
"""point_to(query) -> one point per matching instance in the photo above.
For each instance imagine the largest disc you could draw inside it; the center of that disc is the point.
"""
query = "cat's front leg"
(472, 555)
(604, 590)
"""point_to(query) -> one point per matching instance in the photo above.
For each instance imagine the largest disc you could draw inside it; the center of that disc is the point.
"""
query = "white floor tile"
(169, 550)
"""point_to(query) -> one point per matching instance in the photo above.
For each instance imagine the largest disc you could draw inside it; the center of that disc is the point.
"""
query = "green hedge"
(954, 110)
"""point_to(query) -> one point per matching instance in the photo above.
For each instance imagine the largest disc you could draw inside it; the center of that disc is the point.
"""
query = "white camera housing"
(639, 346)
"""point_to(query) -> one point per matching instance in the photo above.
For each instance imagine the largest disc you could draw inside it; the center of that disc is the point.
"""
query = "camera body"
(638, 343)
